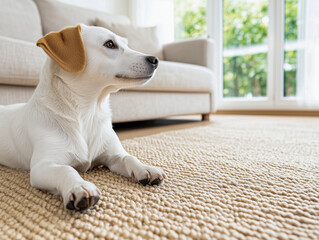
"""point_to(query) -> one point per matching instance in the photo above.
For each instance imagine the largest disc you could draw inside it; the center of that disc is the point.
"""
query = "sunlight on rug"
(256, 177)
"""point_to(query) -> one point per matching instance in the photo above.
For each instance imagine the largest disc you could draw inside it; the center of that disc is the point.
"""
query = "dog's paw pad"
(70, 205)
(86, 203)
(83, 203)
(82, 197)
(157, 181)
(144, 182)
(149, 175)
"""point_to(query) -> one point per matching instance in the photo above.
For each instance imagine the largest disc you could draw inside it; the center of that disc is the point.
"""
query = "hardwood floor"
(145, 128)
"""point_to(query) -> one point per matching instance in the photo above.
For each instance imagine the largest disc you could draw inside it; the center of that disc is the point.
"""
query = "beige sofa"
(183, 84)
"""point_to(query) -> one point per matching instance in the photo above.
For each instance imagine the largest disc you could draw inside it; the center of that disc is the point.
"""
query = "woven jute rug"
(253, 178)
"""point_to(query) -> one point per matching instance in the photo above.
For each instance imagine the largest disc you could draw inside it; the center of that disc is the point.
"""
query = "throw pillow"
(142, 39)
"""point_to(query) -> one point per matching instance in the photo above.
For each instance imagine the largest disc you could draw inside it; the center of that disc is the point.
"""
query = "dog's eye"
(110, 44)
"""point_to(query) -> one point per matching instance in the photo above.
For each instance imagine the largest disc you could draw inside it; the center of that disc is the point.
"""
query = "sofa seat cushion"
(134, 106)
(20, 62)
(180, 77)
(56, 15)
(20, 20)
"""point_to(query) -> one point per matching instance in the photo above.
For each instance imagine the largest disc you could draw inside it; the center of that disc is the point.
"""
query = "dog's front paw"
(148, 175)
(82, 196)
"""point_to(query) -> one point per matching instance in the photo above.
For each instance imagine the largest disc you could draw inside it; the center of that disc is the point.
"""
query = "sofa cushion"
(57, 15)
(20, 62)
(142, 39)
(20, 20)
(10, 94)
(180, 77)
(133, 106)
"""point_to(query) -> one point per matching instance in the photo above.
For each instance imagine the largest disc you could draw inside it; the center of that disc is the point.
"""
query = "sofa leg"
(205, 117)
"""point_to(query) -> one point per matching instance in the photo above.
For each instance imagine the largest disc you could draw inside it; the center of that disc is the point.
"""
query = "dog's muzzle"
(141, 69)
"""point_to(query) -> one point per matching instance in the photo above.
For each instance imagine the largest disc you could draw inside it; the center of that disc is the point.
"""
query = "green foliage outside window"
(190, 18)
(290, 73)
(290, 57)
(245, 75)
(245, 24)
(291, 14)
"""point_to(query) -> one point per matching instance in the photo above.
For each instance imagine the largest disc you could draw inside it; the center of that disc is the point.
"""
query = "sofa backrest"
(20, 20)
(56, 15)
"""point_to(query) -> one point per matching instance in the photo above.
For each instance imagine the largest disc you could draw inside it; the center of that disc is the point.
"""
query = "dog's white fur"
(66, 126)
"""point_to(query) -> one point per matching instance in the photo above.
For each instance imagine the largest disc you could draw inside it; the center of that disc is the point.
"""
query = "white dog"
(66, 126)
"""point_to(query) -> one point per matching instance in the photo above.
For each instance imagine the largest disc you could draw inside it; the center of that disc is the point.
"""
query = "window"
(266, 52)
(189, 19)
(291, 48)
(245, 30)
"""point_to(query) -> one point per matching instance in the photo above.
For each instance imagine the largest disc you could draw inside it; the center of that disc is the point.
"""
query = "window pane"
(245, 47)
(190, 18)
(290, 73)
(245, 76)
(291, 46)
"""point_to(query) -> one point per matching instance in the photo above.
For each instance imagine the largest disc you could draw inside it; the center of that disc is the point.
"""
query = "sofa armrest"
(194, 51)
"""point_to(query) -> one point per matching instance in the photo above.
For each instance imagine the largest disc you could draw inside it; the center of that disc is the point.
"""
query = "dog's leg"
(119, 161)
(77, 193)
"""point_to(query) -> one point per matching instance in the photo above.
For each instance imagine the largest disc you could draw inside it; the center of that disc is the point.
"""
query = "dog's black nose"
(152, 60)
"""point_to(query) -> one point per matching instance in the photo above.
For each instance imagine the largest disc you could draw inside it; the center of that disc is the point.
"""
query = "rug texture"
(247, 178)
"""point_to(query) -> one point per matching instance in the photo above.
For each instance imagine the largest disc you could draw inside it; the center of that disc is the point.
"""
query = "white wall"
(118, 7)
(141, 12)
(110, 6)
(154, 12)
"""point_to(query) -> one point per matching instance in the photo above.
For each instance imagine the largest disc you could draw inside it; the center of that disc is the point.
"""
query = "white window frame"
(275, 75)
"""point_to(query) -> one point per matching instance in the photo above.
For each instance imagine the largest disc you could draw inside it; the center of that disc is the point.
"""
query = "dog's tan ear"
(66, 48)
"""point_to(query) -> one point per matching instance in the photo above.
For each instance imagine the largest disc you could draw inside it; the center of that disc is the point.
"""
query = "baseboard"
(271, 112)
